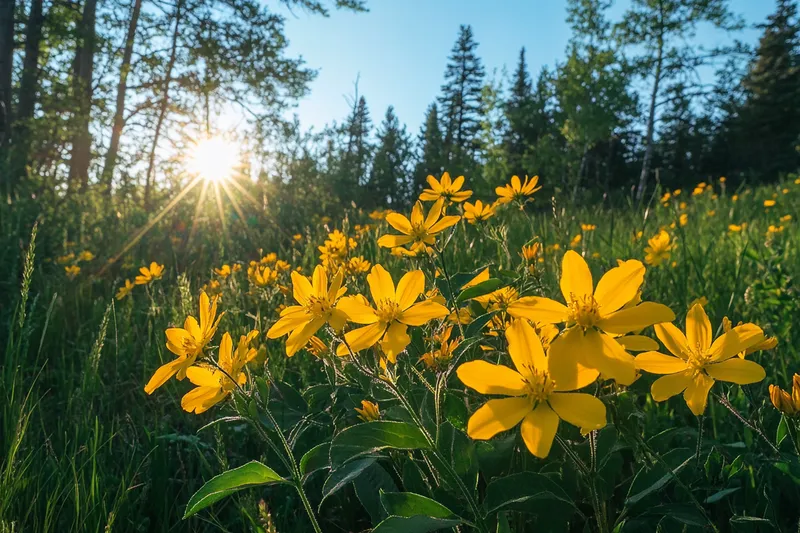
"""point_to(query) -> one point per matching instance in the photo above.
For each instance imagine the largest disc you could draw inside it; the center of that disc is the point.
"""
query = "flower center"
(539, 385)
(419, 231)
(584, 311)
(319, 307)
(696, 358)
(388, 310)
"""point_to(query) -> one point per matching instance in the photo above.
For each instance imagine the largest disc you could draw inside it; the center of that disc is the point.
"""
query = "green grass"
(83, 448)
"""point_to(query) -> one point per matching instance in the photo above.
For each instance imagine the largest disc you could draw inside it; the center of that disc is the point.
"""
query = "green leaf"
(370, 437)
(369, 486)
(315, 459)
(485, 287)
(783, 431)
(653, 479)
(415, 524)
(344, 475)
(408, 504)
(475, 327)
(251, 474)
(520, 490)
(717, 496)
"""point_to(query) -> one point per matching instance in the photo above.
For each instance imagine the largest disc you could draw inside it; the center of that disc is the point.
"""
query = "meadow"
(379, 420)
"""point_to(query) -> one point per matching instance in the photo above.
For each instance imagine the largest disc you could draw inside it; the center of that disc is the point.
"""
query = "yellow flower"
(769, 203)
(282, 266)
(64, 259)
(538, 390)
(683, 219)
(269, 258)
(479, 212)
(531, 252)
(786, 218)
(223, 272)
(357, 265)
(516, 190)
(85, 255)
(665, 198)
(711, 213)
(317, 305)
(449, 190)
(783, 401)
(214, 384)
(237, 267)
(771, 230)
(368, 412)
(316, 346)
(658, 249)
(438, 358)
(187, 342)
(212, 287)
(335, 249)
(498, 300)
(736, 228)
(734, 198)
(149, 274)
(697, 362)
(297, 237)
(576, 241)
(125, 290)
(797, 181)
(262, 276)
(676, 192)
(379, 214)
(722, 179)
(395, 309)
(592, 315)
(588, 227)
(420, 229)
(72, 271)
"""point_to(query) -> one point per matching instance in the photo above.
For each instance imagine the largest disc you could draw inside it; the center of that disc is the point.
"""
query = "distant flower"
(736, 228)
(696, 363)
(149, 274)
(297, 237)
(379, 214)
(420, 229)
(479, 212)
(516, 190)
(530, 253)
(213, 287)
(772, 230)
(72, 271)
(368, 412)
(722, 179)
(262, 276)
(683, 219)
(576, 241)
(282, 266)
(658, 249)
(357, 265)
(125, 290)
(316, 346)
(86, 256)
(588, 227)
(439, 357)
(769, 203)
(788, 404)
(224, 271)
(64, 259)
(447, 189)
(786, 218)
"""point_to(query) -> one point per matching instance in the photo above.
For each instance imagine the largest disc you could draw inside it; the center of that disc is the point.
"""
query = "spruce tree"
(519, 110)
(432, 157)
(388, 182)
(461, 103)
(354, 162)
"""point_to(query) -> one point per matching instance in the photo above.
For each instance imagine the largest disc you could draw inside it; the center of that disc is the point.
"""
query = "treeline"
(104, 97)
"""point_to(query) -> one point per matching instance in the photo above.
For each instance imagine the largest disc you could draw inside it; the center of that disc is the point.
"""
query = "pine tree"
(432, 157)
(519, 111)
(388, 183)
(353, 168)
(461, 103)
(769, 130)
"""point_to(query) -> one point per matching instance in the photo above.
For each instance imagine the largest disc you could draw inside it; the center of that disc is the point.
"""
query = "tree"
(389, 179)
(521, 132)
(6, 70)
(432, 157)
(353, 164)
(461, 103)
(770, 117)
(662, 30)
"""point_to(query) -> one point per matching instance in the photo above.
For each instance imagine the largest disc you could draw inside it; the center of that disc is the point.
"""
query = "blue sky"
(398, 50)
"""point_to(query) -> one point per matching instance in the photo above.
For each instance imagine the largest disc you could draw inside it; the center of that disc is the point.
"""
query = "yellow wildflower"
(124, 290)
(769, 203)
(369, 411)
(447, 189)
(736, 228)
(516, 190)
(658, 249)
(223, 271)
(85, 255)
(149, 274)
(262, 276)
(479, 212)
(438, 358)
(64, 259)
(72, 271)
(419, 229)
(588, 227)
(786, 218)
(783, 401)
(357, 265)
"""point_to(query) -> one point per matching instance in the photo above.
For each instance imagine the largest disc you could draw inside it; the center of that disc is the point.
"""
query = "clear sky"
(398, 50)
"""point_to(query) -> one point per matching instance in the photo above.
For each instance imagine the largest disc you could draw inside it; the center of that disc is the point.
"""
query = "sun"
(214, 159)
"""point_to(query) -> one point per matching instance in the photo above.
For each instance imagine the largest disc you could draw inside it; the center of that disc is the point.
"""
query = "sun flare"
(214, 159)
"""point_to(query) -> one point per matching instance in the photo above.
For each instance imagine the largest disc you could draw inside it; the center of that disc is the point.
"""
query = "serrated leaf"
(370, 437)
(251, 474)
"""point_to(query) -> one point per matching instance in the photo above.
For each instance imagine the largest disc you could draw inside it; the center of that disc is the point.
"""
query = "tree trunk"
(148, 184)
(28, 90)
(651, 119)
(6, 68)
(84, 67)
(119, 114)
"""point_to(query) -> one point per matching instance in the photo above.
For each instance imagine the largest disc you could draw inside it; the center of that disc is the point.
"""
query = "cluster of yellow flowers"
(556, 348)
(71, 262)
(147, 275)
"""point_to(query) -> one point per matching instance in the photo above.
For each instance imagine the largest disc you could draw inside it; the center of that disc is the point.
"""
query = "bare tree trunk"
(28, 91)
(148, 184)
(84, 67)
(122, 87)
(651, 117)
(6, 68)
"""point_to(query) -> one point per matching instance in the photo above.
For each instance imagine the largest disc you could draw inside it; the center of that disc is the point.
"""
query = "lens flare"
(214, 159)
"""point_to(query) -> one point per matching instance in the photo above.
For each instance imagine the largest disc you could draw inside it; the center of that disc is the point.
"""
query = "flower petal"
(392, 241)
(636, 318)
(619, 286)
(606, 355)
(410, 286)
(301, 288)
(423, 312)
(434, 213)
(362, 338)
(205, 308)
(319, 281)
(300, 337)
(380, 284)
(565, 364)
(538, 309)
(487, 378)
(672, 338)
(668, 386)
(637, 343)
(395, 340)
(696, 394)
(357, 309)
(538, 430)
(735, 370)
(658, 363)
(735, 341)
(576, 278)
(444, 223)
(287, 324)
(698, 328)
(163, 374)
(416, 214)
(497, 415)
(579, 409)
(525, 348)
(399, 222)
(203, 376)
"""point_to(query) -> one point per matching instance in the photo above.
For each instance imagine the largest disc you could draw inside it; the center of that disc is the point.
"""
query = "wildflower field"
(504, 363)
